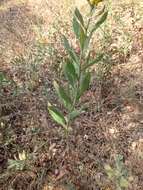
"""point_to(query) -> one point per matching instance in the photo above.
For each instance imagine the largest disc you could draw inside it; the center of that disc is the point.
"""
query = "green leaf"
(75, 113)
(66, 44)
(99, 22)
(109, 171)
(57, 115)
(91, 63)
(79, 29)
(124, 182)
(3, 78)
(16, 164)
(79, 16)
(84, 83)
(78, 24)
(70, 50)
(119, 162)
(70, 72)
(82, 39)
(79, 32)
(107, 167)
(88, 57)
(86, 43)
(77, 68)
(63, 96)
(76, 28)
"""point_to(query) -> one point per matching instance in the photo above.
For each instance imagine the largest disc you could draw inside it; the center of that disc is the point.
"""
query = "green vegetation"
(77, 68)
(118, 174)
(71, 101)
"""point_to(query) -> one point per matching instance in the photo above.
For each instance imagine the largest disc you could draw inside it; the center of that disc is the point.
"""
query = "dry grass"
(31, 54)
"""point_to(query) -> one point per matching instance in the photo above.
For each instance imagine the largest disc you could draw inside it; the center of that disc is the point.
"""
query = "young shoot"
(77, 67)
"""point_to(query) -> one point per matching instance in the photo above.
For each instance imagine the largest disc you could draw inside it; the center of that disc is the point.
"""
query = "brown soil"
(97, 136)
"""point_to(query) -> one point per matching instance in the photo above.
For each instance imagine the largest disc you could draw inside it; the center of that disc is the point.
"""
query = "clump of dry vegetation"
(105, 146)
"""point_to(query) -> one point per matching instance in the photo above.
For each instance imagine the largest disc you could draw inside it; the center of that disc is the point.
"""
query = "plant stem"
(81, 58)
(80, 62)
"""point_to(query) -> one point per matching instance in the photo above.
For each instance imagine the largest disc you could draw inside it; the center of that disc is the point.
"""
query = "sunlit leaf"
(124, 182)
(57, 115)
(79, 16)
(109, 171)
(79, 32)
(78, 27)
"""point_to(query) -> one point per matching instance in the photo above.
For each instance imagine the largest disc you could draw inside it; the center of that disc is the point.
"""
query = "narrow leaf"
(78, 27)
(74, 114)
(99, 22)
(86, 43)
(57, 115)
(70, 50)
(79, 16)
(79, 32)
(82, 39)
(70, 72)
(62, 95)
(84, 83)
(78, 23)
(77, 68)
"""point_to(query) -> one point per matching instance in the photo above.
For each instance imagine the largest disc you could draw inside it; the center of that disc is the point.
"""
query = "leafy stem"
(76, 69)
(82, 58)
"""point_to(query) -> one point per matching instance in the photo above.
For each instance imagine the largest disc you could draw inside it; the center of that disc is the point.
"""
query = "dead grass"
(113, 123)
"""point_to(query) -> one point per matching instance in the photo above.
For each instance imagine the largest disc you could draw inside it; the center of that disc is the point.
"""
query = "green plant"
(77, 68)
(6, 83)
(18, 163)
(3, 80)
(118, 174)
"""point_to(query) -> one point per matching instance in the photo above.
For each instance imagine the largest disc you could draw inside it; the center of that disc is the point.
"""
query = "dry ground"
(112, 125)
